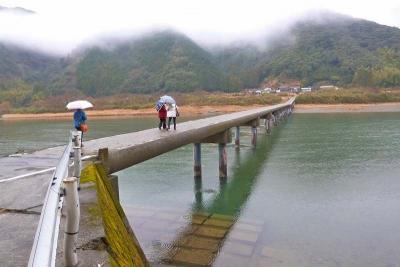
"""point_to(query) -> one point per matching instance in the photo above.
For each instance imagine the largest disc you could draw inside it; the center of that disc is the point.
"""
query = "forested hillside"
(337, 50)
(162, 62)
(339, 53)
(25, 75)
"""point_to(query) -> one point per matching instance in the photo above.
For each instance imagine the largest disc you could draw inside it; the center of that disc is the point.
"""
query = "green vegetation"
(157, 63)
(339, 53)
(140, 101)
(336, 50)
(123, 246)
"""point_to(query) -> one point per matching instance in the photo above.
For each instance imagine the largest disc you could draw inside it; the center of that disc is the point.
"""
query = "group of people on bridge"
(169, 111)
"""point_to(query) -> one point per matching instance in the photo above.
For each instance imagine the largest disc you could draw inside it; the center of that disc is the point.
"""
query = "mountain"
(331, 48)
(26, 65)
(164, 61)
(334, 51)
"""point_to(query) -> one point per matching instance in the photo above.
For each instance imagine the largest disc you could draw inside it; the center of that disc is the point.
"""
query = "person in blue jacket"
(79, 119)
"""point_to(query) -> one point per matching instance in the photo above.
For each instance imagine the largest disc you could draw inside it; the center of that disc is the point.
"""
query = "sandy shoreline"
(341, 108)
(204, 110)
(109, 113)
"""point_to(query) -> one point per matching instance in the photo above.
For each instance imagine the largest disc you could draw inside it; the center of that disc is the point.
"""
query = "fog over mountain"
(62, 27)
(315, 48)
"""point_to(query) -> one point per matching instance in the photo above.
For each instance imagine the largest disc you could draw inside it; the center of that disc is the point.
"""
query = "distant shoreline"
(347, 108)
(204, 110)
(117, 113)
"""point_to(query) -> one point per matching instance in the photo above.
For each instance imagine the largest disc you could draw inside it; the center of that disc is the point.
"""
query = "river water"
(322, 190)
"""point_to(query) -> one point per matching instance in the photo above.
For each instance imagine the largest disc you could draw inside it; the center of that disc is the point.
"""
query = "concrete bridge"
(117, 153)
(122, 151)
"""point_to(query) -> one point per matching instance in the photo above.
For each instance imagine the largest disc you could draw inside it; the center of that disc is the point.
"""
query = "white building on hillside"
(306, 89)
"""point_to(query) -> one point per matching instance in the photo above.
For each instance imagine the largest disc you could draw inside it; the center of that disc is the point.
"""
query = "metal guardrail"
(44, 247)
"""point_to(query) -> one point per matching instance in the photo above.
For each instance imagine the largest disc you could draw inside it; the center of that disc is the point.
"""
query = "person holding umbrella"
(172, 113)
(172, 109)
(162, 115)
(79, 115)
(80, 119)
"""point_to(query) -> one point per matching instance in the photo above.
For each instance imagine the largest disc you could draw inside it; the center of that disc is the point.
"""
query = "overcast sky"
(60, 26)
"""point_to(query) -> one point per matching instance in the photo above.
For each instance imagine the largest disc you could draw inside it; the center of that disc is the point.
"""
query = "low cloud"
(61, 27)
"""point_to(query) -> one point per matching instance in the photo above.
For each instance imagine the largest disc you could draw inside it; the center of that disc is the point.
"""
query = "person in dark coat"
(162, 114)
(79, 119)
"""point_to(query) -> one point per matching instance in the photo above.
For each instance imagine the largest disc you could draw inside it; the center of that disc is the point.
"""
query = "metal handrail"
(44, 247)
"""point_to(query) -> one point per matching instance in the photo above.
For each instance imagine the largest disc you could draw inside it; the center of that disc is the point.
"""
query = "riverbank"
(184, 111)
(209, 110)
(342, 108)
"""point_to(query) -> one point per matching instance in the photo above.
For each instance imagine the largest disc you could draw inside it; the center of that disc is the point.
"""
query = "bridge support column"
(254, 136)
(198, 194)
(197, 160)
(268, 123)
(274, 119)
(223, 161)
(72, 222)
(237, 137)
(221, 139)
(253, 124)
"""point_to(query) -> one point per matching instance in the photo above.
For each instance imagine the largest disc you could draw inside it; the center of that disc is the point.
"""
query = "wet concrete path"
(21, 202)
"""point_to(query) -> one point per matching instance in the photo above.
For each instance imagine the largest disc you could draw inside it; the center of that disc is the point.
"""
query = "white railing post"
(76, 139)
(72, 222)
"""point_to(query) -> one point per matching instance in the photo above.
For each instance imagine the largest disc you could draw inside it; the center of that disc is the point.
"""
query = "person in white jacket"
(172, 113)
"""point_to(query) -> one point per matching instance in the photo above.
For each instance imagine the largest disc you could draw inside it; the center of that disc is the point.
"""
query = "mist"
(59, 28)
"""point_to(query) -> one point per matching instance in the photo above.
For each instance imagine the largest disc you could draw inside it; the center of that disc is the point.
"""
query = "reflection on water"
(234, 193)
(181, 237)
(210, 224)
(323, 190)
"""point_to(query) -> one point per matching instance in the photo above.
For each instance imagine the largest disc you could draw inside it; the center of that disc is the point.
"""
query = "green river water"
(322, 190)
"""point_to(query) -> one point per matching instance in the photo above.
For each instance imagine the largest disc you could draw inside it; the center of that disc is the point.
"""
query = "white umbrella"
(79, 104)
(167, 99)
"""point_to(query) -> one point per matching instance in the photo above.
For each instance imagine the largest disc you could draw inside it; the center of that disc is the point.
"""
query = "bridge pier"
(274, 119)
(268, 123)
(221, 139)
(198, 194)
(254, 136)
(278, 117)
(223, 161)
(253, 124)
(237, 137)
(197, 160)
